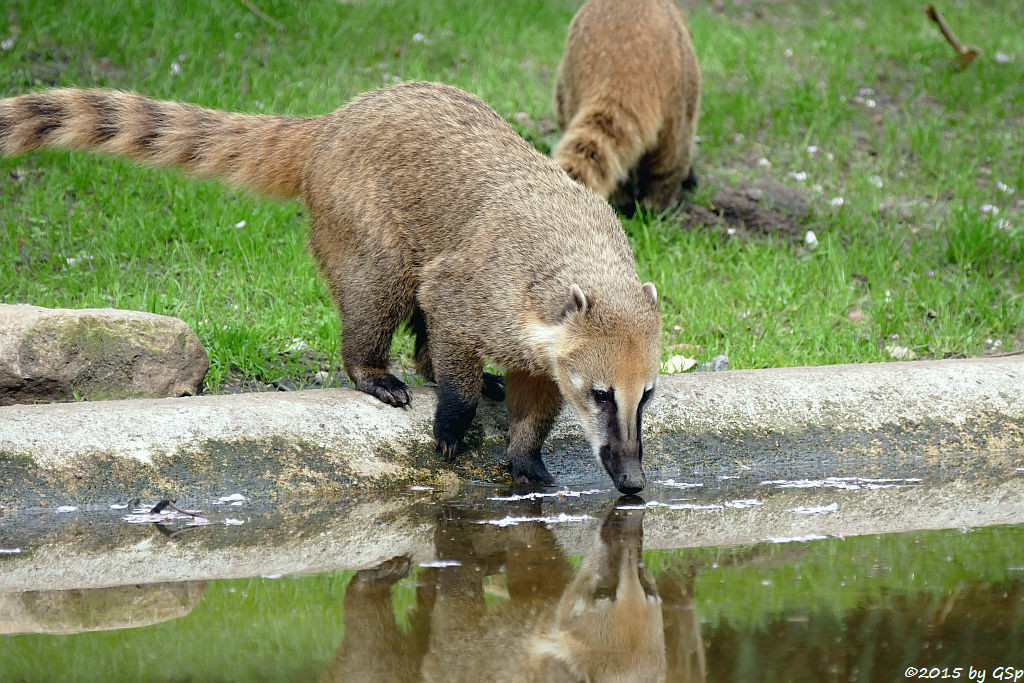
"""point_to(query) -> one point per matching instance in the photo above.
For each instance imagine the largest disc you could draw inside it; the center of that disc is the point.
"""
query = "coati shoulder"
(424, 203)
(627, 98)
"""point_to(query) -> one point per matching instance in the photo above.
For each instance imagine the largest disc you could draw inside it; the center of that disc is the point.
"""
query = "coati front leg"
(492, 386)
(459, 374)
(372, 314)
(533, 404)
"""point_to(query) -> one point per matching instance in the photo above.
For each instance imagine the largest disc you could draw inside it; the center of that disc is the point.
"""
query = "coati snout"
(424, 205)
(608, 389)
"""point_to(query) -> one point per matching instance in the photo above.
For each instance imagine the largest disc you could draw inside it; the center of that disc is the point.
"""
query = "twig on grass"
(964, 54)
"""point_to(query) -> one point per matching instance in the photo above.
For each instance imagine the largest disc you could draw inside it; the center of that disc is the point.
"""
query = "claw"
(388, 389)
(446, 449)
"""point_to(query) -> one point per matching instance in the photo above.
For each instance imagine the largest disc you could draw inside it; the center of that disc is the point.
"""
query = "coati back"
(424, 203)
(627, 97)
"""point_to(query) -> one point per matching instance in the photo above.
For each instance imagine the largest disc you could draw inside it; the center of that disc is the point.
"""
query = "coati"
(627, 98)
(424, 203)
(601, 623)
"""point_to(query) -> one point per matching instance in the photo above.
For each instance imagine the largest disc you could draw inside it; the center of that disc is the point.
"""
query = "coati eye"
(601, 396)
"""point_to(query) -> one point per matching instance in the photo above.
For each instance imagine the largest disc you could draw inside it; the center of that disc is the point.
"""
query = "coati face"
(609, 624)
(607, 369)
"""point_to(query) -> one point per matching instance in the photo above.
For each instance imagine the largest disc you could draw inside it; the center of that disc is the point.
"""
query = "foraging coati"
(424, 203)
(627, 97)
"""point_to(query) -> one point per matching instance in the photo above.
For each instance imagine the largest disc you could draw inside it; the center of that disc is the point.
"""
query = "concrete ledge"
(868, 418)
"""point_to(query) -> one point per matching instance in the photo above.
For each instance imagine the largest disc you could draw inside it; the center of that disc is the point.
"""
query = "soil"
(756, 207)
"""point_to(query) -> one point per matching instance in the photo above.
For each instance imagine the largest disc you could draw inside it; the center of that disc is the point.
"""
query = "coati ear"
(651, 291)
(578, 302)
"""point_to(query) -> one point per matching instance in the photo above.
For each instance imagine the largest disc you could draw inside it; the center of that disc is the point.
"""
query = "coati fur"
(424, 204)
(603, 622)
(627, 98)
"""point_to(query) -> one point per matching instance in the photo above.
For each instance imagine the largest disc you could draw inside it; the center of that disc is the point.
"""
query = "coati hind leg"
(492, 387)
(666, 172)
(533, 403)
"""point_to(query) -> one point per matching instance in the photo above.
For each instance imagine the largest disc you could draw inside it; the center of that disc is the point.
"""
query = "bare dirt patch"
(752, 206)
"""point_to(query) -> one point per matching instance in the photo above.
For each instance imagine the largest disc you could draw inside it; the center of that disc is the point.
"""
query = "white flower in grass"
(837, 201)
(1004, 188)
(990, 208)
(812, 149)
(764, 163)
(7, 44)
(1002, 58)
(240, 224)
(810, 240)
(798, 175)
(876, 181)
(175, 68)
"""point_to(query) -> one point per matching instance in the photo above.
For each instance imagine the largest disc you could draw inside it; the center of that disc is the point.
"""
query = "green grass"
(918, 257)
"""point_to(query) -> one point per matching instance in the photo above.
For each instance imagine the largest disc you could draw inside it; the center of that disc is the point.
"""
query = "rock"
(98, 609)
(716, 364)
(59, 354)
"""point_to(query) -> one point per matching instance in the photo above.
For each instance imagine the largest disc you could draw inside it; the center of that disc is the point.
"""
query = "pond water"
(763, 580)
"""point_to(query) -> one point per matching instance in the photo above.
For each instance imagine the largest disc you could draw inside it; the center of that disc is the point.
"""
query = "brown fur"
(603, 623)
(627, 97)
(423, 203)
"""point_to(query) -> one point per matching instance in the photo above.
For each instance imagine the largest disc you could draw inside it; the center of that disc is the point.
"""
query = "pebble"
(716, 364)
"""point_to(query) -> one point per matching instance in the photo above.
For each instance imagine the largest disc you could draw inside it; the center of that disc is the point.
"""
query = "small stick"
(262, 15)
(169, 503)
(964, 54)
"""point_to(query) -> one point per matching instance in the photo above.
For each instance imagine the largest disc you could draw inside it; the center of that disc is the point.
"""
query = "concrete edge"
(845, 417)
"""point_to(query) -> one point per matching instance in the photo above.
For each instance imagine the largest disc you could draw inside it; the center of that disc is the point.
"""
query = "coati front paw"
(387, 388)
(493, 387)
(446, 448)
(530, 471)
(453, 417)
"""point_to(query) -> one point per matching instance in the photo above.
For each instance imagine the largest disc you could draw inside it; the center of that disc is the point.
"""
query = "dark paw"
(493, 387)
(530, 471)
(388, 389)
(453, 417)
(446, 448)
(690, 182)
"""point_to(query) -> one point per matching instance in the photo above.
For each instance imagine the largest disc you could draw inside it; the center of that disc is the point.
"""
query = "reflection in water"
(508, 604)
(97, 609)
(605, 622)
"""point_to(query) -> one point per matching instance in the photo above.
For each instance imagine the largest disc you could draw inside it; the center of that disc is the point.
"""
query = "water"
(738, 580)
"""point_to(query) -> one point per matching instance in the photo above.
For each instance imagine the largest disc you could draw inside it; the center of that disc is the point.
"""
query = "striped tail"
(601, 144)
(265, 154)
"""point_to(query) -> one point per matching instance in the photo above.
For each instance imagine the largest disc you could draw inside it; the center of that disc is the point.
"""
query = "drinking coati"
(424, 203)
(627, 97)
